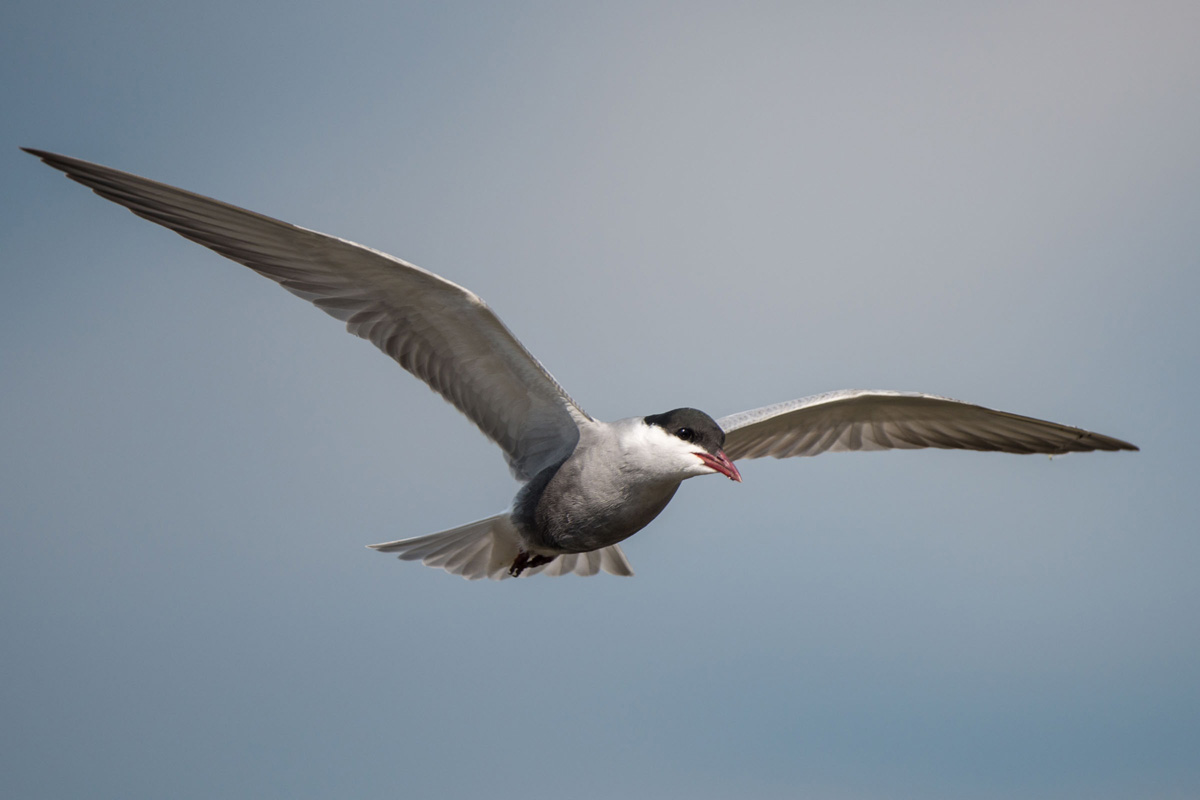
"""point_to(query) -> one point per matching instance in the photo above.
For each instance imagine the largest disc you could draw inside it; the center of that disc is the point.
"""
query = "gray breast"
(557, 512)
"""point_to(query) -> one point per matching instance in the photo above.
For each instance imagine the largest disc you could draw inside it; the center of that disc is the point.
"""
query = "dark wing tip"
(1099, 441)
(62, 163)
(44, 155)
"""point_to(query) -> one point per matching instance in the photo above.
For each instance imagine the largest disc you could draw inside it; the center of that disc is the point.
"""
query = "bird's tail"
(487, 549)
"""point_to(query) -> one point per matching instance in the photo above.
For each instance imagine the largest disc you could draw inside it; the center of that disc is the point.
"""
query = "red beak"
(721, 463)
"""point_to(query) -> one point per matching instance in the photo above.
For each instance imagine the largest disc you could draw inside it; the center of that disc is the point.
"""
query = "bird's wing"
(883, 420)
(438, 331)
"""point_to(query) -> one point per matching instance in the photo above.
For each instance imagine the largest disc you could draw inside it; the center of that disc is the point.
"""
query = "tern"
(587, 485)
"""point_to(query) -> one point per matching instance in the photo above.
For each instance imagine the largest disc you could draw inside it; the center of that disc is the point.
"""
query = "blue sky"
(671, 204)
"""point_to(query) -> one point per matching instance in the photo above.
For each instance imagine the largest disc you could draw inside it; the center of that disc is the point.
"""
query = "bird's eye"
(687, 434)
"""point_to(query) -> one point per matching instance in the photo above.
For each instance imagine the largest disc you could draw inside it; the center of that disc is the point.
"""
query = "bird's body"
(613, 485)
(603, 493)
(587, 485)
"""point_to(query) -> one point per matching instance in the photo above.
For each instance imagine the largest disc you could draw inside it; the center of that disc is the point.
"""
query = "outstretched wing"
(437, 330)
(883, 420)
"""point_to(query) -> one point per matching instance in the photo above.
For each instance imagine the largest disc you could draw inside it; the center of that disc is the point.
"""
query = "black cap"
(691, 425)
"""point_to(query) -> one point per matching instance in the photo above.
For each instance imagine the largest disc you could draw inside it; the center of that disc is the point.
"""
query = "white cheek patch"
(652, 451)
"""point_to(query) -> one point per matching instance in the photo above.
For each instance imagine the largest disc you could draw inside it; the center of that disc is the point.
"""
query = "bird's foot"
(525, 561)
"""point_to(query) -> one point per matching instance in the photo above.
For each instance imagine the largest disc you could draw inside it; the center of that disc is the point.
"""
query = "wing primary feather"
(880, 420)
(439, 331)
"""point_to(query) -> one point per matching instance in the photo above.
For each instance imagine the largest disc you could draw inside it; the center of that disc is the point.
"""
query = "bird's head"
(694, 440)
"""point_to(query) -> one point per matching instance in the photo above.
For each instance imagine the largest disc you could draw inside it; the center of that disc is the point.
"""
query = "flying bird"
(586, 484)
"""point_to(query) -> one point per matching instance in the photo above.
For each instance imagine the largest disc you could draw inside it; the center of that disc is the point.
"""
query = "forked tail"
(487, 549)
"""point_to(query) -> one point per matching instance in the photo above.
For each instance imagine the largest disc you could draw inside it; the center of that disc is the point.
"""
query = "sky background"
(716, 205)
